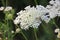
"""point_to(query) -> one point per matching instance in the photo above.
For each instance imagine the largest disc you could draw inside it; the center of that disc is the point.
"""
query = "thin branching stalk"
(35, 34)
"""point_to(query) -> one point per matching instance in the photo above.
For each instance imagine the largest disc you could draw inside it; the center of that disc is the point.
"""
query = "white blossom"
(1, 8)
(54, 10)
(58, 36)
(29, 18)
(8, 8)
(32, 16)
(57, 30)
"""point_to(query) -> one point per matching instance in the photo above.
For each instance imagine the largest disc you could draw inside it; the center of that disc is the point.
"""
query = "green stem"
(4, 37)
(6, 2)
(9, 32)
(46, 28)
(36, 2)
(3, 2)
(24, 35)
(35, 34)
(55, 23)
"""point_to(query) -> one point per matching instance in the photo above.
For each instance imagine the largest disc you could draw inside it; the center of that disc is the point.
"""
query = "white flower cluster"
(57, 31)
(1, 8)
(29, 17)
(8, 8)
(32, 16)
(54, 8)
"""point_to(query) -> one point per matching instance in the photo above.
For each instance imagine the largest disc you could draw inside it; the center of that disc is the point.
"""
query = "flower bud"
(12, 31)
(17, 30)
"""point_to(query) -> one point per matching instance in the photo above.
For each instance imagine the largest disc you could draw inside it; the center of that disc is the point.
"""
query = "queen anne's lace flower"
(32, 16)
(54, 8)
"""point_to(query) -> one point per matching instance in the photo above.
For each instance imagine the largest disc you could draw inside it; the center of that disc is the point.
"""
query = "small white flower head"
(57, 30)
(12, 31)
(8, 8)
(53, 13)
(28, 17)
(58, 36)
(1, 8)
(18, 30)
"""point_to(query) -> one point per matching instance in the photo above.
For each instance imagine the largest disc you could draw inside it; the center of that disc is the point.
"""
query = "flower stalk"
(35, 34)
(24, 35)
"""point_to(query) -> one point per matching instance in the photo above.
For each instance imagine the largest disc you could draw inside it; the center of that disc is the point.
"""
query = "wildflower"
(8, 8)
(57, 30)
(18, 30)
(58, 36)
(54, 10)
(1, 8)
(27, 18)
